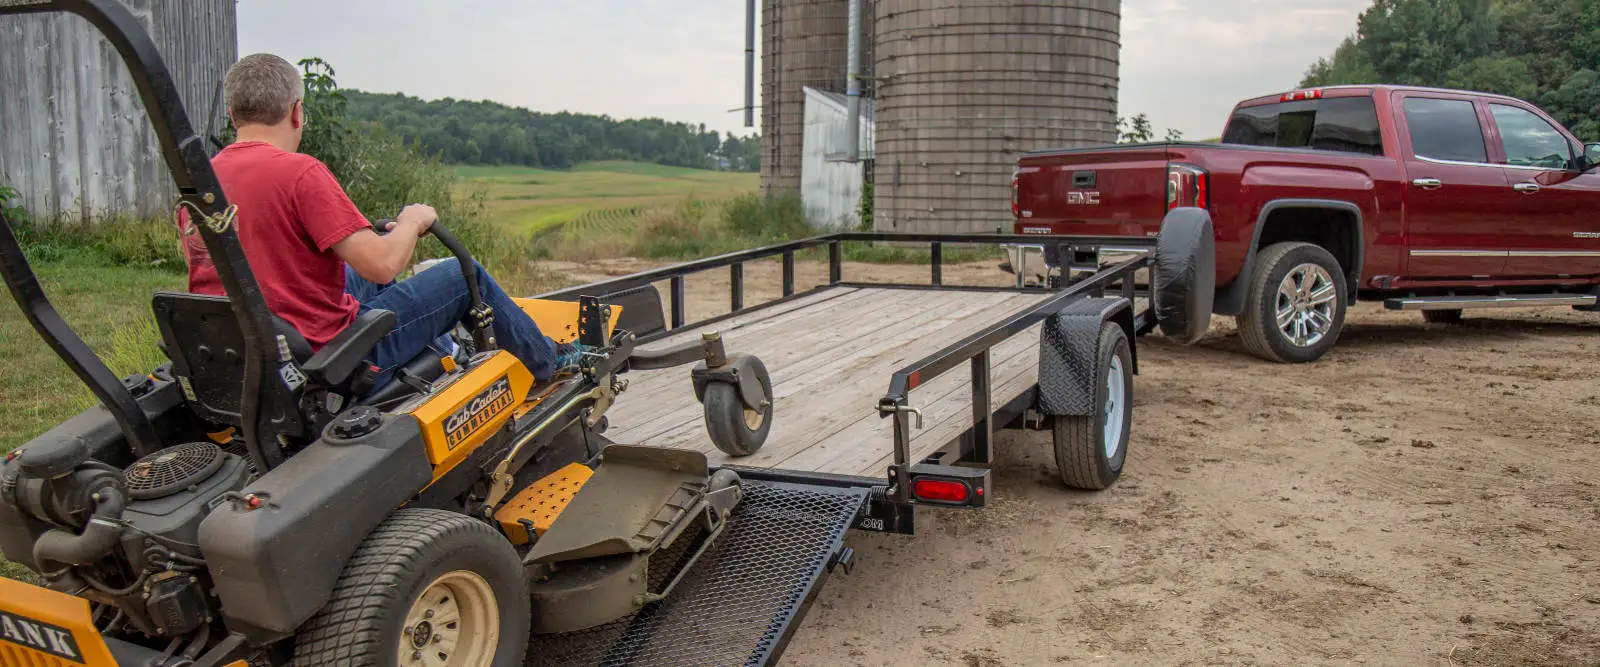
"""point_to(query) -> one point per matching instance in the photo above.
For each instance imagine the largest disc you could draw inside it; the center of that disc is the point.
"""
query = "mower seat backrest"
(206, 347)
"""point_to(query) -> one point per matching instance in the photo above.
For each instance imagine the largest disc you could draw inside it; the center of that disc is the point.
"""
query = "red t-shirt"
(291, 213)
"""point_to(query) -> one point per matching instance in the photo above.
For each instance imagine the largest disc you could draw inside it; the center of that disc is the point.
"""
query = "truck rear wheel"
(427, 587)
(1295, 306)
(1090, 450)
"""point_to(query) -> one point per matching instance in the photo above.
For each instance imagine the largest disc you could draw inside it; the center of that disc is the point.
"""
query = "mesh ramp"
(741, 602)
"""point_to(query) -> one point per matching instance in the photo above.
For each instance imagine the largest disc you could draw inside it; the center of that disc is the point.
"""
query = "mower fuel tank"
(274, 559)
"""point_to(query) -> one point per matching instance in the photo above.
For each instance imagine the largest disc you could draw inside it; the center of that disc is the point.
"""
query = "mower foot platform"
(743, 599)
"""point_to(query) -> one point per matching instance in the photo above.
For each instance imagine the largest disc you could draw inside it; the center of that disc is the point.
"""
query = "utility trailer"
(888, 396)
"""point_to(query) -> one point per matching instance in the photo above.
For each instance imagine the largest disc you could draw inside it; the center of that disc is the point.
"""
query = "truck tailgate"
(742, 601)
(1111, 191)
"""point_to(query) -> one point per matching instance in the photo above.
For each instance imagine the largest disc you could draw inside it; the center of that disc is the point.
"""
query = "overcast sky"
(1184, 62)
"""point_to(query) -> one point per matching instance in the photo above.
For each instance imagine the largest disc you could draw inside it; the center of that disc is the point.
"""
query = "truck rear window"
(1348, 124)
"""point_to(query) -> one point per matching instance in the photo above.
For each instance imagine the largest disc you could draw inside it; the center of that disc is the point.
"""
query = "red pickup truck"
(1425, 199)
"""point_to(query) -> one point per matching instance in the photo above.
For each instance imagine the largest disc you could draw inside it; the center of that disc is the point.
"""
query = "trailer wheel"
(736, 428)
(427, 587)
(1090, 450)
(1295, 306)
(1185, 275)
(1451, 316)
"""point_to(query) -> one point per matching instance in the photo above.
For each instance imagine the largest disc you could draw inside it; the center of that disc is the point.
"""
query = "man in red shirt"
(316, 257)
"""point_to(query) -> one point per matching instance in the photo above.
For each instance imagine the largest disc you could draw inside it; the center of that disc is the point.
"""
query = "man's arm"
(381, 259)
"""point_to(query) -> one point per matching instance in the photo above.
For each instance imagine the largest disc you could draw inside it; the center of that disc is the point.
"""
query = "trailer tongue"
(744, 598)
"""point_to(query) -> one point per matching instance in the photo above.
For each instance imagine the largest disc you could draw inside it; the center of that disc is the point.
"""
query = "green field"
(534, 201)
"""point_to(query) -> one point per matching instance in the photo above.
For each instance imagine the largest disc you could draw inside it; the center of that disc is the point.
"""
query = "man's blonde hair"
(262, 88)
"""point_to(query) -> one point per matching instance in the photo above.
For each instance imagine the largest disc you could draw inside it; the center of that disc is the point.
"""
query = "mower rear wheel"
(427, 587)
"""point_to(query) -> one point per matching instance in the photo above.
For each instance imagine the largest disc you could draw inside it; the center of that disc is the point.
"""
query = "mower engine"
(127, 538)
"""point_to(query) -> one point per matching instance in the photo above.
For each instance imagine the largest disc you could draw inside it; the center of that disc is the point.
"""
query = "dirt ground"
(1424, 495)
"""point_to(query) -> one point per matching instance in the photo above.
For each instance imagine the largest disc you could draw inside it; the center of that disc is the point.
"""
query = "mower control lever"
(480, 316)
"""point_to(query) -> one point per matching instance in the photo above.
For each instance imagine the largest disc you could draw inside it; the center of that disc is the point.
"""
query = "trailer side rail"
(735, 261)
(974, 351)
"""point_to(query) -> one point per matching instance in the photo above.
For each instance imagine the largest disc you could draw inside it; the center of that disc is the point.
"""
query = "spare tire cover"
(1185, 275)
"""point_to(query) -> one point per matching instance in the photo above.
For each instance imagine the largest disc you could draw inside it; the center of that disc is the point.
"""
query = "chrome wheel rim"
(1306, 299)
(454, 623)
(1115, 410)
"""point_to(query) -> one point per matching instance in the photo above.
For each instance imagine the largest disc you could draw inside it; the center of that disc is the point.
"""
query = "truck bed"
(830, 355)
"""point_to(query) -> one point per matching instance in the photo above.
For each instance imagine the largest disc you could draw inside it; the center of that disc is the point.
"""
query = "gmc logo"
(1083, 199)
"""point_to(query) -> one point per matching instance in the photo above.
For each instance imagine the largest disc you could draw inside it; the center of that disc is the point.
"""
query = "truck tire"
(1091, 450)
(423, 580)
(1450, 316)
(1185, 275)
(1290, 315)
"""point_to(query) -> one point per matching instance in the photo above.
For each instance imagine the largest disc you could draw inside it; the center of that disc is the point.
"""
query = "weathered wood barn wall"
(74, 138)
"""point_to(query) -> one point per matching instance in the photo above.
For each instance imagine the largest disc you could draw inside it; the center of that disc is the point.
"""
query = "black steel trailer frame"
(889, 506)
(880, 504)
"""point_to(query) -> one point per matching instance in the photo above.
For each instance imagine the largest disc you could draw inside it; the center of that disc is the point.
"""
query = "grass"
(532, 201)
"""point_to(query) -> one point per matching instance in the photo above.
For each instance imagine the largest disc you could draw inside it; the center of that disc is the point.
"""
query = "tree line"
(474, 132)
(1543, 51)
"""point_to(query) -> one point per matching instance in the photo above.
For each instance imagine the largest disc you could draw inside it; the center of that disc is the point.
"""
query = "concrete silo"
(804, 44)
(964, 86)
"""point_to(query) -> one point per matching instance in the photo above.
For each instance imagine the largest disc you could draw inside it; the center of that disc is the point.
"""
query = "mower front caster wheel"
(736, 428)
(427, 587)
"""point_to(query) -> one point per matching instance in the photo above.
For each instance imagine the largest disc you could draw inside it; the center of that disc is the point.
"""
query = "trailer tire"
(401, 570)
(1275, 267)
(734, 427)
(1451, 316)
(1185, 275)
(1091, 450)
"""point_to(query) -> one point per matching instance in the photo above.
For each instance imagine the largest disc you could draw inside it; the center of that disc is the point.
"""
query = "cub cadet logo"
(1083, 199)
(41, 637)
(477, 412)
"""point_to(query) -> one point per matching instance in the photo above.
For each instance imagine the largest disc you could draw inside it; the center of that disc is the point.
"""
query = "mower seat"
(207, 349)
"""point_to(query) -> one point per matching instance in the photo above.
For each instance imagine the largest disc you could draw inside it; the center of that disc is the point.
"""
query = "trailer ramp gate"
(742, 601)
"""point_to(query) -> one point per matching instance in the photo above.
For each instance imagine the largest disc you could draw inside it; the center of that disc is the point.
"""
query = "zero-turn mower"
(253, 502)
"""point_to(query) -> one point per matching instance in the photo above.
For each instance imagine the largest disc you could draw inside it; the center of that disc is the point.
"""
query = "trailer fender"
(1069, 358)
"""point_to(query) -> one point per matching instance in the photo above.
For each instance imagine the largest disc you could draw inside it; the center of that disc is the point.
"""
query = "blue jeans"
(429, 305)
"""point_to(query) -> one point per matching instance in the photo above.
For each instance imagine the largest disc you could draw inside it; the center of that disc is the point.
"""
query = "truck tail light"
(1301, 95)
(1188, 185)
(1016, 204)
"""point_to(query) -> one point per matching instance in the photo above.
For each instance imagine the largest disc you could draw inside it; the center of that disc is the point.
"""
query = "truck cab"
(1422, 198)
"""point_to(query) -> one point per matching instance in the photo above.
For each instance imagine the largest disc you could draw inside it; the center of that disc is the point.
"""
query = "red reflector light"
(941, 490)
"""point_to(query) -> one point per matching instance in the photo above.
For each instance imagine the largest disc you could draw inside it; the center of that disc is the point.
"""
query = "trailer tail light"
(932, 489)
(957, 486)
(1301, 95)
(1188, 185)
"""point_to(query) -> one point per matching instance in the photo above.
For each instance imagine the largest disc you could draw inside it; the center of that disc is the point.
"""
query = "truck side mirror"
(1590, 158)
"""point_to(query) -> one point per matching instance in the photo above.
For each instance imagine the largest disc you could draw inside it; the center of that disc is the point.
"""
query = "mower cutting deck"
(741, 604)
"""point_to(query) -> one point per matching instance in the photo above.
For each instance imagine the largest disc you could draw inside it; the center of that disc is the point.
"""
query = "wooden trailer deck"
(830, 356)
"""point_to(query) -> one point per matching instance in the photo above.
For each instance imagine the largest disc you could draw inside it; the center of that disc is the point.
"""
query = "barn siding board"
(74, 138)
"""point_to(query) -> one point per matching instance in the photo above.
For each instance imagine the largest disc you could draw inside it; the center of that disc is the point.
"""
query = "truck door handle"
(1428, 183)
(1526, 188)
